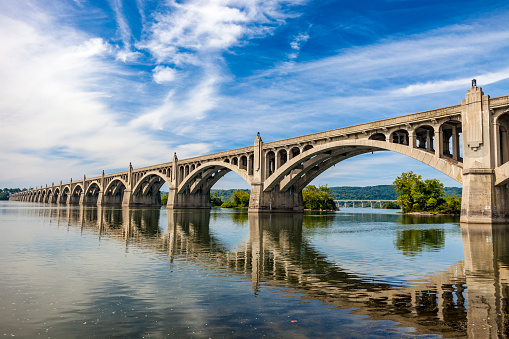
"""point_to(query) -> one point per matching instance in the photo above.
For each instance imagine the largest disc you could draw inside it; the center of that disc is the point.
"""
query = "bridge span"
(468, 142)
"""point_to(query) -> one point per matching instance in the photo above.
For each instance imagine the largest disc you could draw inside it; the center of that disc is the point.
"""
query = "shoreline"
(429, 214)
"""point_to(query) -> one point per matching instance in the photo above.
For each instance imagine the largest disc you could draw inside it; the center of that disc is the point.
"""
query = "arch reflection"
(470, 299)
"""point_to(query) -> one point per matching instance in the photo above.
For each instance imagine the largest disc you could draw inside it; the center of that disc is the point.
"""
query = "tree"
(215, 200)
(240, 198)
(318, 198)
(413, 194)
(164, 199)
(405, 186)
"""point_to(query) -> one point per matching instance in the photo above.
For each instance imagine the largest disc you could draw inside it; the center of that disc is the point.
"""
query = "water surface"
(116, 272)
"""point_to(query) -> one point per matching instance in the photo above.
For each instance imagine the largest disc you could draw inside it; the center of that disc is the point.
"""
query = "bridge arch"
(146, 190)
(114, 192)
(303, 168)
(91, 194)
(205, 176)
(63, 197)
(76, 194)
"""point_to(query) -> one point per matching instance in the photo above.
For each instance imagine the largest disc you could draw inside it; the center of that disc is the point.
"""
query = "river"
(80, 272)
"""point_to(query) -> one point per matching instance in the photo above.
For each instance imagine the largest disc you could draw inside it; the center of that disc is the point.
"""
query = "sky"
(90, 85)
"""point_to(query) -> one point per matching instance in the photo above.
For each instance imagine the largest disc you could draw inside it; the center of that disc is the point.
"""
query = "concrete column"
(278, 159)
(498, 144)
(249, 165)
(504, 145)
(455, 143)
(429, 141)
(439, 142)
(412, 140)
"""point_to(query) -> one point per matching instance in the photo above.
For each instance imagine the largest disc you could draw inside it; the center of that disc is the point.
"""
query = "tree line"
(379, 192)
(6, 192)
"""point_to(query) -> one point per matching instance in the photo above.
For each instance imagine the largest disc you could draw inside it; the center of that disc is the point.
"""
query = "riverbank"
(429, 213)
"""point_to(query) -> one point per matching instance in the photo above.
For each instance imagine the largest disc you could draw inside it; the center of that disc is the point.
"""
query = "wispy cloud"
(53, 104)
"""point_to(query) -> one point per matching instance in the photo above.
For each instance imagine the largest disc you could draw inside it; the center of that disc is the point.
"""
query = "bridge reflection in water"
(470, 299)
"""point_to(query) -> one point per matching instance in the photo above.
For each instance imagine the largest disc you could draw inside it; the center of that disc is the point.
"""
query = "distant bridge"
(363, 203)
(278, 171)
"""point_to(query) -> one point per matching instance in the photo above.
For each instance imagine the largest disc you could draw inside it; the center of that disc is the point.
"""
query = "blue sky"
(93, 85)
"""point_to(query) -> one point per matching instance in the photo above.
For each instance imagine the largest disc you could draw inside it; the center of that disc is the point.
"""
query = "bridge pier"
(274, 201)
(482, 201)
(188, 200)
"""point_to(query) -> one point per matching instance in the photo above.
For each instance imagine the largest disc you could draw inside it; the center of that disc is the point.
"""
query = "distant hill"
(382, 192)
(226, 194)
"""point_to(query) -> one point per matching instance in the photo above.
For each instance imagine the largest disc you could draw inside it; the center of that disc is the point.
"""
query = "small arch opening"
(295, 151)
(425, 138)
(400, 137)
(378, 137)
(270, 163)
(306, 148)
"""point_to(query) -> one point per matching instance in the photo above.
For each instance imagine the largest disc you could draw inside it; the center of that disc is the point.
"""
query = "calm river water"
(69, 272)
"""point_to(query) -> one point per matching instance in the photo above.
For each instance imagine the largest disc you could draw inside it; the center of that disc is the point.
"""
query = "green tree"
(239, 198)
(406, 190)
(451, 205)
(318, 198)
(414, 194)
(164, 199)
(215, 200)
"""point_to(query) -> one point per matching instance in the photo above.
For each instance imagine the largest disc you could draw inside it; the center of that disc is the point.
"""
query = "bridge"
(468, 142)
(362, 203)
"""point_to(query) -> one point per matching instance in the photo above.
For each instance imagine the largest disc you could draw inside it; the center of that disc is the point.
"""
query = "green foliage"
(215, 201)
(380, 192)
(451, 205)
(225, 195)
(164, 199)
(240, 198)
(392, 205)
(318, 198)
(416, 195)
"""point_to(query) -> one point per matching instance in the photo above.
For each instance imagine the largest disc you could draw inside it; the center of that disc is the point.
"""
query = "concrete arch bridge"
(468, 142)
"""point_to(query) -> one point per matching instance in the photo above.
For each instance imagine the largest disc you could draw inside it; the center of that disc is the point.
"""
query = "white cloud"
(210, 25)
(126, 55)
(449, 85)
(164, 74)
(297, 42)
